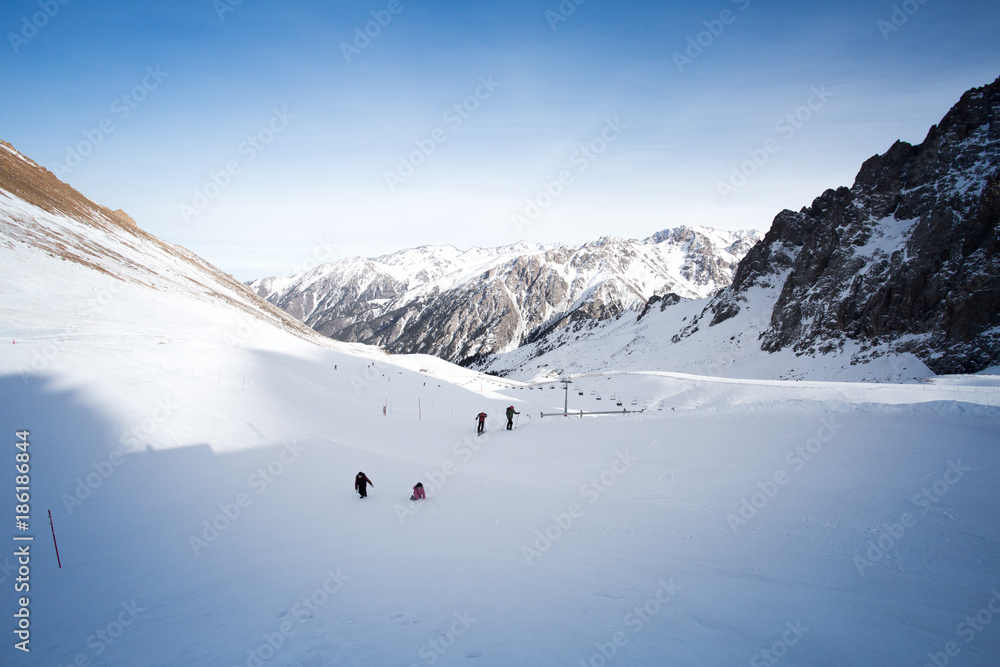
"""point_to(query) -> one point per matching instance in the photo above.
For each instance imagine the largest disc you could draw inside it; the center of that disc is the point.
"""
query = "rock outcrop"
(906, 260)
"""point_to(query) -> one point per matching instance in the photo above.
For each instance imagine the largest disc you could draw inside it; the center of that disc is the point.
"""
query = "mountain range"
(902, 266)
(463, 306)
(895, 277)
(193, 450)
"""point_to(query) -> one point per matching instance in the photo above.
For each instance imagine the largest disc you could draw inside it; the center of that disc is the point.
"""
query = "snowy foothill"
(198, 460)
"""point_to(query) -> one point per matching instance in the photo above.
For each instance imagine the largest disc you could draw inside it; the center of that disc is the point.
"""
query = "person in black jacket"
(361, 483)
(510, 417)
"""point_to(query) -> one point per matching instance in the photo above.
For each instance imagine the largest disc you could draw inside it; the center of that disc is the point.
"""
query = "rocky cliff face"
(906, 260)
(460, 305)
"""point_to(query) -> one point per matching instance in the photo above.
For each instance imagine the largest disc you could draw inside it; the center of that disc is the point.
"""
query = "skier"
(510, 417)
(482, 423)
(361, 483)
(418, 492)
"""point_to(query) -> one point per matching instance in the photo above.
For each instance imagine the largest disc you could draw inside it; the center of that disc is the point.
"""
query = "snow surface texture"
(198, 464)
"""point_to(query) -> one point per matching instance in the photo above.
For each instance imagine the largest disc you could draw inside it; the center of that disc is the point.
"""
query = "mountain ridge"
(909, 253)
(460, 305)
(39, 210)
(896, 277)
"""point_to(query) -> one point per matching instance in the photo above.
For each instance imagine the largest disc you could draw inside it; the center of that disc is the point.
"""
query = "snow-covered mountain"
(895, 277)
(456, 305)
(43, 215)
(193, 451)
(906, 260)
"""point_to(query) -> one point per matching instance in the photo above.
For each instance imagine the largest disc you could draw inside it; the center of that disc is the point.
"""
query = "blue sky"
(250, 133)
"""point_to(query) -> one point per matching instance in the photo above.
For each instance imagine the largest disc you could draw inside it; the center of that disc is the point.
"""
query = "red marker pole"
(58, 560)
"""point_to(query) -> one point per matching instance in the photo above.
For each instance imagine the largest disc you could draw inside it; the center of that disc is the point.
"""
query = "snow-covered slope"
(439, 300)
(41, 216)
(197, 458)
(651, 343)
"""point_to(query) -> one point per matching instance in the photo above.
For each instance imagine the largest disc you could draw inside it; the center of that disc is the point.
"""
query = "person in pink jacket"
(418, 492)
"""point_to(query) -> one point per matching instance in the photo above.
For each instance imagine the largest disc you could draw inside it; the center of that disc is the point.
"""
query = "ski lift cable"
(593, 390)
(575, 379)
(626, 396)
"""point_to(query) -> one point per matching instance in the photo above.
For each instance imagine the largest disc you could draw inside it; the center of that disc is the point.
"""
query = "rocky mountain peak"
(460, 305)
(908, 254)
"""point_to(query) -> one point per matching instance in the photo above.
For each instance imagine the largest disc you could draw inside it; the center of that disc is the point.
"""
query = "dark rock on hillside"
(907, 256)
